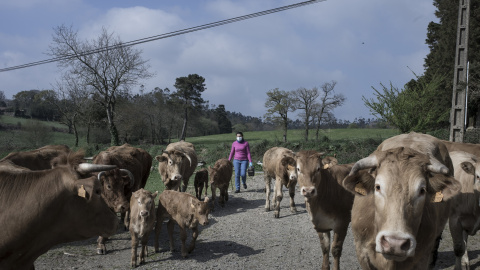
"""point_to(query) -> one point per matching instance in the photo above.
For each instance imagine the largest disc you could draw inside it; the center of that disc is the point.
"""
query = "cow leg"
(221, 200)
(278, 196)
(183, 238)
(212, 187)
(144, 250)
(126, 219)
(185, 185)
(459, 245)
(200, 190)
(170, 225)
(325, 244)
(194, 239)
(133, 261)
(291, 192)
(465, 260)
(267, 192)
(101, 249)
(197, 189)
(337, 245)
(206, 188)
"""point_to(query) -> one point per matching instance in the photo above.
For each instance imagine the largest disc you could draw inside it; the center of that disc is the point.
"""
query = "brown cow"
(41, 209)
(220, 175)
(279, 163)
(327, 202)
(177, 164)
(132, 173)
(465, 213)
(142, 220)
(38, 159)
(402, 201)
(185, 210)
(201, 180)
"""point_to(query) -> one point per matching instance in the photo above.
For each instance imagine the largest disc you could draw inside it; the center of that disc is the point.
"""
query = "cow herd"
(397, 200)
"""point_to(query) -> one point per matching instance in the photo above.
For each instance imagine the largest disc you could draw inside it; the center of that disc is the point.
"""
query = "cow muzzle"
(397, 246)
(308, 192)
(144, 213)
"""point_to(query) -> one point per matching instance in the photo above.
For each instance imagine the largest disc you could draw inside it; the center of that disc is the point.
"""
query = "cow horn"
(85, 168)
(364, 163)
(100, 175)
(437, 167)
(132, 179)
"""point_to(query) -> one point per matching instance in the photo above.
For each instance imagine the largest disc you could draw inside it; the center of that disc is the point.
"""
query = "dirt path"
(240, 236)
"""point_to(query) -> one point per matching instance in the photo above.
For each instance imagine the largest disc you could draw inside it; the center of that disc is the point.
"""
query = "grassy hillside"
(348, 144)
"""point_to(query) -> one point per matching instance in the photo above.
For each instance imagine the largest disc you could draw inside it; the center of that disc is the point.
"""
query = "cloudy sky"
(358, 44)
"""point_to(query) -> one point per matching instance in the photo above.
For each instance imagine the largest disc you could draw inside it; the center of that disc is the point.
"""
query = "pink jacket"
(241, 151)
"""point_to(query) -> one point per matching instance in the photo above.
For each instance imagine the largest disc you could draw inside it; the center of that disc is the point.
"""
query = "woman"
(241, 151)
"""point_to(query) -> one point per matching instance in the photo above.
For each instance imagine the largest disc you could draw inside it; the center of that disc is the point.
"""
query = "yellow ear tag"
(81, 191)
(193, 206)
(360, 189)
(438, 197)
(326, 166)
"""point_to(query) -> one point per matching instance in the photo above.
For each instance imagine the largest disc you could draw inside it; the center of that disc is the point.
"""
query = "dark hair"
(240, 133)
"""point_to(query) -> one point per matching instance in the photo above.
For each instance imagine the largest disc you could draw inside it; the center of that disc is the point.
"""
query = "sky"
(357, 44)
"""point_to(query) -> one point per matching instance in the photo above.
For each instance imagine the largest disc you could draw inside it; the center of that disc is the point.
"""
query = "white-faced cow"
(38, 159)
(220, 175)
(40, 209)
(402, 202)
(133, 168)
(465, 213)
(142, 221)
(177, 164)
(185, 210)
(279, 164)
(328, 203)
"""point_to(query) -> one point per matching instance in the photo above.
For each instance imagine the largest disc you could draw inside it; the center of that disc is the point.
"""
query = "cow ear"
(360, 183)
(161, 158)
(468, 167)
(328, 162)
(191, 203)
(154, 195)
(84, 191)
(206, 199)
(444, 186)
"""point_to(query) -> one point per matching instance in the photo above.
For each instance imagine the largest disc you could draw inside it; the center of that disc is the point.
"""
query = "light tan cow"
(465, 213)
(402, 202)
(177, 164)
(279, 164)
(327, 202)
(142, 221)
(185, 210)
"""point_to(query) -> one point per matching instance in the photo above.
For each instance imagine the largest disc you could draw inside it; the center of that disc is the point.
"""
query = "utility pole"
(457, 114)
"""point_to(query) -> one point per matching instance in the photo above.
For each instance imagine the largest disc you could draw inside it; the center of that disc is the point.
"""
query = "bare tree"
(279, 102)
(103, 64)
(70, 99)
(323, 111)
(306, 100)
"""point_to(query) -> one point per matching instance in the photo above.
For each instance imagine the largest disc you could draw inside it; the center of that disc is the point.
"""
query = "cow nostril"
(406, 245)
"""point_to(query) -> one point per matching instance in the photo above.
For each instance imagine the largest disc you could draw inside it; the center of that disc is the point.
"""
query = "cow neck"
(329, 191)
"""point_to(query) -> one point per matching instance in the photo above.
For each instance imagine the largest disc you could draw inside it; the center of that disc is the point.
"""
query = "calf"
(142, 220)
(185, 210)
(279, 163)
(465, 212)
(220, 175)
(327, 202)
(201, 180)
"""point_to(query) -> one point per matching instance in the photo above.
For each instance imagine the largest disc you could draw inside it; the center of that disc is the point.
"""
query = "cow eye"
(423, 191)
(109, 187)
(139, 202)
(377, 187)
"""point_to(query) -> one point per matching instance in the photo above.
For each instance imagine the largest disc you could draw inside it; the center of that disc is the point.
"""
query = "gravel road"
(240, 236)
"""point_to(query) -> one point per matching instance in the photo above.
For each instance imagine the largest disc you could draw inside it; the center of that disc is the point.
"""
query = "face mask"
(239, 139)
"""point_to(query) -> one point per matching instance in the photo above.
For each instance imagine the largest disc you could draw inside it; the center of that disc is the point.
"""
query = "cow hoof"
(267, 209)
(101, 251)
(294, 210)
(277, 215)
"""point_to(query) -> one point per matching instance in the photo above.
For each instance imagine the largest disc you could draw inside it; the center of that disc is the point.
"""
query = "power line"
(166, 35)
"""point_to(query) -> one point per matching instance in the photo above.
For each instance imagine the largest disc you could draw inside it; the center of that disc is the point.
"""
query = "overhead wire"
(166, 35)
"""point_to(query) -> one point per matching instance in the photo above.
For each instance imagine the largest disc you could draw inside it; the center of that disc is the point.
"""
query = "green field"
(348, 144)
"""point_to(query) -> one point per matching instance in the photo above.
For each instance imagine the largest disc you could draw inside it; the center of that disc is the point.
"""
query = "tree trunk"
(114, 141)
(184, 129)
(75, 131)
(285, 127)
(88, 131)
